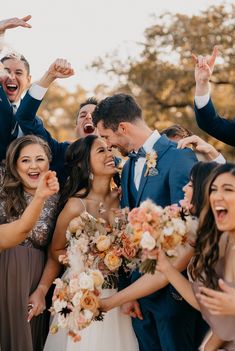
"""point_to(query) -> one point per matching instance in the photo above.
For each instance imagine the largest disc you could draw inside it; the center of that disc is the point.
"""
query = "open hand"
(14, 23)
(218, 302)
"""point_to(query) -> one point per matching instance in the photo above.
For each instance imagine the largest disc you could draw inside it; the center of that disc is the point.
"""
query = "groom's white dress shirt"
(148, 147)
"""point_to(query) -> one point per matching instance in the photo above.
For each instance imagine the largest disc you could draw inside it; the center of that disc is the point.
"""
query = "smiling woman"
(30, 274)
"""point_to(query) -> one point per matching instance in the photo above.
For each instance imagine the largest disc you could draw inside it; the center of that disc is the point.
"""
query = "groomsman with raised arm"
(207, 117)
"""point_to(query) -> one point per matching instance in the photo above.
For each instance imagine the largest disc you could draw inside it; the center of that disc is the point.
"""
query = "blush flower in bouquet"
(152, 227)
(76, 301)
(96, 245)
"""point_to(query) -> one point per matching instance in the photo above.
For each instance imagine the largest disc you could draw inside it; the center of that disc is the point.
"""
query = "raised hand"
(61, 68)
(204, 66)
(199, 145)
(48, 185)
(218, 302)
(14, 23)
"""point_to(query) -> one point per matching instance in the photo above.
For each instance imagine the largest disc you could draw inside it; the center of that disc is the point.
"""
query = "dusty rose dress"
(21, 268)
(223, 326)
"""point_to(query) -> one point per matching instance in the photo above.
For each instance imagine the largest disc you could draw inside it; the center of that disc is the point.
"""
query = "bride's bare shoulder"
(75, 206)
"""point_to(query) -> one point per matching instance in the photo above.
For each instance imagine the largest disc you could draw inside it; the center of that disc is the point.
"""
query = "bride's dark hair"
(208, 236)
(77, 159)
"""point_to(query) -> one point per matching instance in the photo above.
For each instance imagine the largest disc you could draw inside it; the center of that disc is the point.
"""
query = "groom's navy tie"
(134, 156)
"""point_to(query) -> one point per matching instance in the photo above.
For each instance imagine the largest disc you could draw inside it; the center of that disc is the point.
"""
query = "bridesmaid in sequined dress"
(26, 273)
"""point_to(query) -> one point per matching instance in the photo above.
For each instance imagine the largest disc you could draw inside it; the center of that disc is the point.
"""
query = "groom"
(168, 321)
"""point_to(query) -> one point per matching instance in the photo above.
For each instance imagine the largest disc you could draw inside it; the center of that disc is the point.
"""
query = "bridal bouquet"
(75, 302)
(96, 245)
(151, 227)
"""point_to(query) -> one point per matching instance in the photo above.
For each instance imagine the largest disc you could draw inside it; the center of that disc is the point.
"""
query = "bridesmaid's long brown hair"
(12, 192)
(208, 236)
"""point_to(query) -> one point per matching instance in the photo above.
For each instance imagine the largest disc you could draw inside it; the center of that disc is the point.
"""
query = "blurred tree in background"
(161, 77)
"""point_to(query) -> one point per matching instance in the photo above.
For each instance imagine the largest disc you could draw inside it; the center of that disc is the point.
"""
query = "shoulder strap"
(83, 204)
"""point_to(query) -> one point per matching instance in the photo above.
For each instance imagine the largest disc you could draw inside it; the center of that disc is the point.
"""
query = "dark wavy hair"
(116, 109)
(208, 236)
(198, 176)
(77, 159)
(12, 192)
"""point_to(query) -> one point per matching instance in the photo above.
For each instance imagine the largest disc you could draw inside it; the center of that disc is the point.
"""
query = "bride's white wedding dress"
(114, 333)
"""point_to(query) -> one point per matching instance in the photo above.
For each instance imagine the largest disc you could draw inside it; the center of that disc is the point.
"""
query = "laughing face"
(85, 125)
(18, 80)
(222, 200)
(31, 165)
(101, 159)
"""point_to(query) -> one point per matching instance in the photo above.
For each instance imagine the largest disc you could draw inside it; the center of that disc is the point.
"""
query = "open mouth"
(110, 163)
(88, 128)
(11, 87)
(221, 212)
(34, 175)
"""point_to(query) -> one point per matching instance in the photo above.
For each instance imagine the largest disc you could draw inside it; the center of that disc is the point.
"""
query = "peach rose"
(89, 302)
(112, 261)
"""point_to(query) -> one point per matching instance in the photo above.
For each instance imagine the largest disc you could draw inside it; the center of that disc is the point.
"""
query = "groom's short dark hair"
(115, 109)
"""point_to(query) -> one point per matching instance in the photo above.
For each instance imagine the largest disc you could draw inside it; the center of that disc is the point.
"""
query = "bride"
(91, 168)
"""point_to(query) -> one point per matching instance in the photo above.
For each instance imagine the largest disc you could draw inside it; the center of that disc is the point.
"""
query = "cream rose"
(103, 243)
(147, 241)
(85, 282)
(97, 277)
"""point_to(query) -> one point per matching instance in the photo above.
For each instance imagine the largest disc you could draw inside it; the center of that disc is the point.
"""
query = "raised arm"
(207, 117)
(201, 146)
(148, 283)
(14, 22)
(11, 234)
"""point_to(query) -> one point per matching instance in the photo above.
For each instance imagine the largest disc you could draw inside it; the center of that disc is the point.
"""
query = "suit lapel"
(161, 146)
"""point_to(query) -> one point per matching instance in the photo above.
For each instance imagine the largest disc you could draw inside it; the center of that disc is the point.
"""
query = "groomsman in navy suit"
(168, 322)
(207, 117)
(14, 80)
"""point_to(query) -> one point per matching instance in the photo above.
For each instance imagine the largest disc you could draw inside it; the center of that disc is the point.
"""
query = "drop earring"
(91, 176)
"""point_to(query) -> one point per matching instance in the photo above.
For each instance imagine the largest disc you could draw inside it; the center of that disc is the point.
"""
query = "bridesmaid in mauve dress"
(214, 257)
(25, 271)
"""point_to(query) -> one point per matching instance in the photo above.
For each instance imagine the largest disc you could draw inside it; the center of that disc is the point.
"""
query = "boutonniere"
(151, 163)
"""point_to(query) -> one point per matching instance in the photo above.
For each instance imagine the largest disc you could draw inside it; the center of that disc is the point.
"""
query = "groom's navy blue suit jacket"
(158, 331)
(212, 123)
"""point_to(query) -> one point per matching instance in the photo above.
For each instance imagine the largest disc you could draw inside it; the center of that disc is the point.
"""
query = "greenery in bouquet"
(152, 227)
